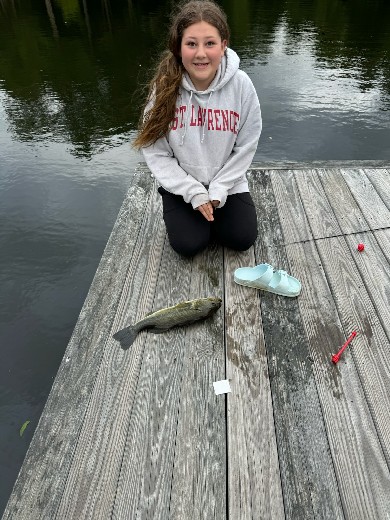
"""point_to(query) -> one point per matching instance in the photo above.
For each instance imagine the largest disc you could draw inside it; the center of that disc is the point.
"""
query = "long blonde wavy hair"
(164, 87)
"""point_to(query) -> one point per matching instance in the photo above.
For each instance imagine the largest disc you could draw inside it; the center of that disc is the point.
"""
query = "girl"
(200, 130)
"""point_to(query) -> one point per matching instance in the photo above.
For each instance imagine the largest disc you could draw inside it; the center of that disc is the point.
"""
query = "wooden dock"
(140, 434)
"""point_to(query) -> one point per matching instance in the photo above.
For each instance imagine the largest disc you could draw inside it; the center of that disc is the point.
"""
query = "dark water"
(69, 72)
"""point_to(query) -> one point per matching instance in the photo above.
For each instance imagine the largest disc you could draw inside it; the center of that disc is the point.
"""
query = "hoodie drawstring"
(188, 116)
(186, 121)
(204, 125)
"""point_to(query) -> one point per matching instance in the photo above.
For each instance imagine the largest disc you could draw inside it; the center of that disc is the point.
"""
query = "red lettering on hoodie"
(225, 120)
(218, 120)
(183, 110)
(210, 119)
(201, 116)
(193, 119)
(217, 114)
(236, 120)
(175, 120)
(231, 121)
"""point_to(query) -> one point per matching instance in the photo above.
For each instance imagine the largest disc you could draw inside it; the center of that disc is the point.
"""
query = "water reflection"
(72, 69)
(315, 85)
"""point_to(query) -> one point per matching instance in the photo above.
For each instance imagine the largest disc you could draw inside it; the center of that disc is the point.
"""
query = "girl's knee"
(188, 247)
(241, 243)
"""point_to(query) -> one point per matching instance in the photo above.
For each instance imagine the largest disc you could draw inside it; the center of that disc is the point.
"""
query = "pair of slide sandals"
(266, 278)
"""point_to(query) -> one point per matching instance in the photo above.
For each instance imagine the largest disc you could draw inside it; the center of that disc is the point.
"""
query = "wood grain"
(380, 179)
(92, 480)
(347, 212)
(374, 270)
(311, 165)
(293, 220)
(254, 478)
(361, 470)
(309, 485)
(371, 204)
(371, 346)
(383, 241)
(200, 466)
(145, 479)
(323, 222)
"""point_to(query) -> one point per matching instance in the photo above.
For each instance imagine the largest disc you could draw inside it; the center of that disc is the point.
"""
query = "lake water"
(70, 72)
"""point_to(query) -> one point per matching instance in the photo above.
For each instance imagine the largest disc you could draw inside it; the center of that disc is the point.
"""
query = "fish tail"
(126, 336)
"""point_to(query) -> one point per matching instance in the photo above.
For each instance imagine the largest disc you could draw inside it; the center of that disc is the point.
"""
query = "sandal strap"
(266, 277)
(280, 280)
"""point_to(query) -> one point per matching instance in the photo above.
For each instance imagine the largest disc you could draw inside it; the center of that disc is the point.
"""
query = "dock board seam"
(340, 235)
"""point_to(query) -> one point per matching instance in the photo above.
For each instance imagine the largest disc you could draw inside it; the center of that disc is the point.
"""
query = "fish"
(182, 313)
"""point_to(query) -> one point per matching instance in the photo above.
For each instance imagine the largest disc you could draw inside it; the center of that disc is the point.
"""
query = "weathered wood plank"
(254, 479)
(155, 472)
(145, 480)
(372, 206)
(293, 218)
(380, 179)
(323, 222)
(360, 466)
(370, 349)
(338, 271)
(40, 484)
(91, 485)
(309, 484)
(347, 212)
(374, 269)
(260, 181)
(383, 240)
(200, 465)
(310, 165)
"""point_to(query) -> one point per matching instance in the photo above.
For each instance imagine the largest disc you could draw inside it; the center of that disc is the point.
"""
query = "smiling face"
(201, 52)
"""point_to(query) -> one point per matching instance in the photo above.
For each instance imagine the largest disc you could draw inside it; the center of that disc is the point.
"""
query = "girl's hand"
(207, 210)
(215, 203)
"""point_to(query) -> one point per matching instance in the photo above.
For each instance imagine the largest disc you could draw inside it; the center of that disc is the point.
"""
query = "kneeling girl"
(199, 133)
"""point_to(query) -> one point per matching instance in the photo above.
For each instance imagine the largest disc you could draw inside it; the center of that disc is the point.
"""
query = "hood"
(227, 68)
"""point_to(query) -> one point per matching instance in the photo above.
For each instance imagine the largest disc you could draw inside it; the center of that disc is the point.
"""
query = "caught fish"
(183, 313)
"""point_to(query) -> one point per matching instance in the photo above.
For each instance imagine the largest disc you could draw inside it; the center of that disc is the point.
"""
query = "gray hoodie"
(212, 139)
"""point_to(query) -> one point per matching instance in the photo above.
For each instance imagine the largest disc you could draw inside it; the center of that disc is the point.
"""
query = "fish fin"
(126, 337)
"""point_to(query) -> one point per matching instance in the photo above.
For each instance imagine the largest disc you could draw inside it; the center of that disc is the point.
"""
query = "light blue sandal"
(266, 278)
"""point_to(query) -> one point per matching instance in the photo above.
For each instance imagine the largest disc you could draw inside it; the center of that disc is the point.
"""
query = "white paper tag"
(222, 387)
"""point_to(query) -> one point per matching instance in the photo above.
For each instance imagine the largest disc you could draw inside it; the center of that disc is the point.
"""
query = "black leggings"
(234, 225)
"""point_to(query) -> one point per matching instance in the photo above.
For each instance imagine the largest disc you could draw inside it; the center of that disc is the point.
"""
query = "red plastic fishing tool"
(336, 357)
